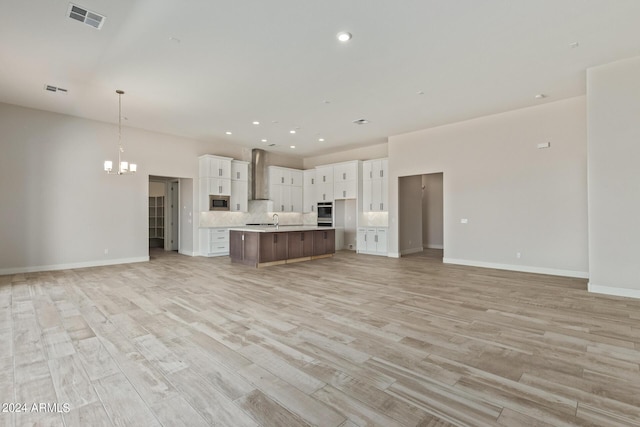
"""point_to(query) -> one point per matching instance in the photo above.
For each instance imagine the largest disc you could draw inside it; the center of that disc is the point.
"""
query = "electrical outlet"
(106, 251)
(518, 255)
(464, 221)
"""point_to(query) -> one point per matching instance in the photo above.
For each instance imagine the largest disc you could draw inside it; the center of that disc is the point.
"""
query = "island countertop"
(282, 228)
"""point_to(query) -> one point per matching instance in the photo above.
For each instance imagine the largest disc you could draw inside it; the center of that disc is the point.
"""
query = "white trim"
(609, 290)
(393, 255)
(521, 268)
(427, 246)
(372, 253)
(53, 267)
(411, 251)
(189, 253)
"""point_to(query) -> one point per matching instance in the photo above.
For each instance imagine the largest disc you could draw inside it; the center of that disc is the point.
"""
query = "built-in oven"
(218, 203)
(325, 214)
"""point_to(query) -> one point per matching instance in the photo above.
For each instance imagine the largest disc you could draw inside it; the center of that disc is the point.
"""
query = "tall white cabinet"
(309, 197)
(324, 186)
(239, 200)
(375, 185)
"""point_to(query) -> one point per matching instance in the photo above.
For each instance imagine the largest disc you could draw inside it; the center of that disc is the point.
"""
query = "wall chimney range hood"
(259, 179)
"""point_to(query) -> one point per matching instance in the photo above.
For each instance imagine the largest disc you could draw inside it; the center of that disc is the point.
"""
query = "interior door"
(174, 205)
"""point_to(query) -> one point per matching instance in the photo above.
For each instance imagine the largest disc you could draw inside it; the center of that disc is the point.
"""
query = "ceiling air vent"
(83, 15)
(54, 89)
(361, 121)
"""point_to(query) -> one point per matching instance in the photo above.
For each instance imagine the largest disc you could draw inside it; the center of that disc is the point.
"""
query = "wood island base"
(267, 248)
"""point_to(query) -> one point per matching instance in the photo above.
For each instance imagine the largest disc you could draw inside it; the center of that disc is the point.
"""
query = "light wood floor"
(347, 341)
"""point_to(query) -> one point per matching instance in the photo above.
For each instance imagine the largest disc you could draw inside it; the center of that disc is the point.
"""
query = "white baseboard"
(521, 268)
(609, 290)
(393, 254)
(189, 253)
(433, 246)
(411, 251)
(53, 267)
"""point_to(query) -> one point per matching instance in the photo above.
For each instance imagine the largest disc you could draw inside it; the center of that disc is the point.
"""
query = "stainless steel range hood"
(259, 178)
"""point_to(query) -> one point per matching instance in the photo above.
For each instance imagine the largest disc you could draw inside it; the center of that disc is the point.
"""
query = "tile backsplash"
(260, 211)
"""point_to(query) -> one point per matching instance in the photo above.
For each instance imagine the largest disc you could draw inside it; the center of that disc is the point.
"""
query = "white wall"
(517, 198)
(410, 214)
(58, 207)
(378, 151)
(432, 211)
(614, 177)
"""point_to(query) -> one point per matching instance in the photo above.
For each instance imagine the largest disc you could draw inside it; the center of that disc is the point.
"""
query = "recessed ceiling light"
(541, 96)
(344, 36)
(175, 39)
(321, 139)
(292, 131)
(361, 121)
(256, 123)
(263, 140)
(292, 146)
(574, 45)
(228, 133)
(420, 92)
(326, 101)
(274, 121)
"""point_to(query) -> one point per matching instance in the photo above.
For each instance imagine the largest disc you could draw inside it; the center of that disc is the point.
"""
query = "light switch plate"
(464, 221)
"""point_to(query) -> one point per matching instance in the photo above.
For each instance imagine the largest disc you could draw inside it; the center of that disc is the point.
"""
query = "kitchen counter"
(282, 228)
(260, 246)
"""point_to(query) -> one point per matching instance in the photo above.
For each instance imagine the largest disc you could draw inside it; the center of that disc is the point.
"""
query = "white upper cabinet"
(345, 180)
(239, 170)
(285, 189)
(215, 166)
(309, 191)
(296, 178)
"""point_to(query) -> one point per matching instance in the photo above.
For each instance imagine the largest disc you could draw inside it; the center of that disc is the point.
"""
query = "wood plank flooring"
(352, 340)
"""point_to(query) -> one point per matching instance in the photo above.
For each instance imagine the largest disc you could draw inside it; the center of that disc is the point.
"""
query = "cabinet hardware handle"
(365, 237)
(238, 206)
(312, 181)
(381, 173)
(376, 238)
(220, 172)
(291, 181)
(324, 178)
(344, 175)
(237, 175)
(281, 208)
(344, 193)
(381, 206)
(370, 174)
(370, 206)
(291, 208)
(282, 180)
(220, 188)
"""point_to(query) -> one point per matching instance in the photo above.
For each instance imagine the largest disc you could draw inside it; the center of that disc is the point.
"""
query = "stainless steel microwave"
(218, 203)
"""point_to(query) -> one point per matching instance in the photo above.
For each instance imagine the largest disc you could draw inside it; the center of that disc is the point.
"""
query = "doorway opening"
(421, 215)
(164, 213)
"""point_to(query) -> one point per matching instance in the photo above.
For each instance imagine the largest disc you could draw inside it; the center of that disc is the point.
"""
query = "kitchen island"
(261, 246)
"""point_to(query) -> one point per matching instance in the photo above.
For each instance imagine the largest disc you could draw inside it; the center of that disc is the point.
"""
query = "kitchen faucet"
(276, 220)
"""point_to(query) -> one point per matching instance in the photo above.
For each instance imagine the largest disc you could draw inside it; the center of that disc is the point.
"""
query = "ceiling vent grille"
(361, 121)
(55, 89)
(83, 15)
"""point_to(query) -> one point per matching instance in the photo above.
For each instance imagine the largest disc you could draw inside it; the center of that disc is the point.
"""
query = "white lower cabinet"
(372, 240)
(214, 241)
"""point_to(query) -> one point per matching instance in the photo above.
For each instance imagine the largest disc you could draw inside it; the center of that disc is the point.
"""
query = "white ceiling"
(276, 61)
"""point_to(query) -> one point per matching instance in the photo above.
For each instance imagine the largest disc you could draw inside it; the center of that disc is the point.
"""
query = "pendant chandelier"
(124, 167)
